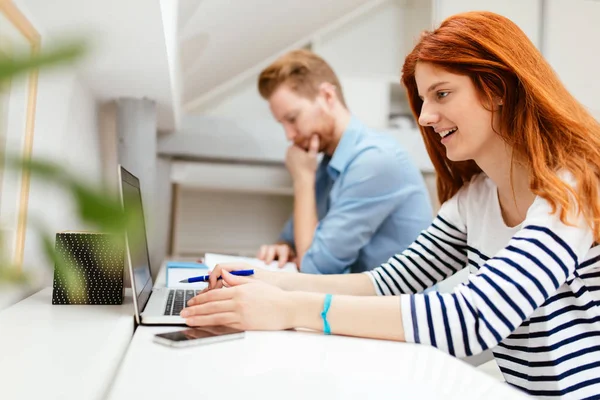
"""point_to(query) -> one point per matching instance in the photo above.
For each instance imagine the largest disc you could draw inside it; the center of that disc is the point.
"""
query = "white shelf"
(232, 177)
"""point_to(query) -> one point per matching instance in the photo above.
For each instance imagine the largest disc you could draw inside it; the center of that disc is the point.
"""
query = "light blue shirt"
(371, 203)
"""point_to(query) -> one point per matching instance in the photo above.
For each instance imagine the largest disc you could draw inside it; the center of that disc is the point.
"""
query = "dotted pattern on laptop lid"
(92, 272)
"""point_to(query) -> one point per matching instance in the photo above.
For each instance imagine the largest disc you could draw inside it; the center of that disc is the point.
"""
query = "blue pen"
(204, 278)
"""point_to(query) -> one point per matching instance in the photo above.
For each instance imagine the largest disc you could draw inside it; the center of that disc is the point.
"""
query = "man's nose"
(290, 133)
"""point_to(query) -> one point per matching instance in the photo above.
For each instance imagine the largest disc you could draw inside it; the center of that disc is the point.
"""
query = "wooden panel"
(227, 222)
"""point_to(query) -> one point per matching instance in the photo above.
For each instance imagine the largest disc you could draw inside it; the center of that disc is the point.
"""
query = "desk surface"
(298, 365)
(61, 352)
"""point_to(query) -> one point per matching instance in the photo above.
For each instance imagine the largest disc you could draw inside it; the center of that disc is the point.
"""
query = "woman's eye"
(441, 95)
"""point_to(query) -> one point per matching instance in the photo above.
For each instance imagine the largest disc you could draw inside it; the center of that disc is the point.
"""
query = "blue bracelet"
(326, 304)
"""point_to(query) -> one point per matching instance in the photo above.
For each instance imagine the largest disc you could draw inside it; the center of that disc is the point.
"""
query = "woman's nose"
(428, 116)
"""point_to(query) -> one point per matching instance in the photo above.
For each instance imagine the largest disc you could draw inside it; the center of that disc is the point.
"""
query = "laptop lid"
(137, 257)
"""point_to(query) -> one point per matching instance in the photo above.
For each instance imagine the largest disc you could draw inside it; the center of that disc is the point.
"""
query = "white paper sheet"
(212, 259)
(177, 274)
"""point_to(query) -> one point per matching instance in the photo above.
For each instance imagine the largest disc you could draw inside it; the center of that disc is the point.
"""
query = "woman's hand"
(259, 274)
(245, 304)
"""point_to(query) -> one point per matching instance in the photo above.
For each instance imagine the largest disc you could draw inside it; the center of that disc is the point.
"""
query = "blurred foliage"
(16, 65)
(98, 206)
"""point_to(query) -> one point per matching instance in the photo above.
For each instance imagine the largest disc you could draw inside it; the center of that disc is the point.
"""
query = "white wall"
(368, 98)
(136, 123)
(372, 45)
(244, 107)
(525, 13)
(169, 10)
(66, 132)
(162, 222)
(243, 103)
(572, 46)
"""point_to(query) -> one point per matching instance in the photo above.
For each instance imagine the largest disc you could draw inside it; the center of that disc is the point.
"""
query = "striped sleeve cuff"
(407, 307)
(375, 284)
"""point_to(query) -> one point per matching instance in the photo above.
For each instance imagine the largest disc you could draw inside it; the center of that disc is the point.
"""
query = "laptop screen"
(137, 245)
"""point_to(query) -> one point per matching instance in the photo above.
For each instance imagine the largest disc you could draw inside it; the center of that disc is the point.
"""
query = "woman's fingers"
(213, 280)
(233, 280)
(211, 295)
(213, 307)
(226, 318)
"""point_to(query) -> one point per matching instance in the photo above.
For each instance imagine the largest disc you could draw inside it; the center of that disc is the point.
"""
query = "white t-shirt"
(533, 293)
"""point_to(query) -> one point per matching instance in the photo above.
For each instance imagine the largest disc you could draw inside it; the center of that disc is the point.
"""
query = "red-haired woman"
(518, 166)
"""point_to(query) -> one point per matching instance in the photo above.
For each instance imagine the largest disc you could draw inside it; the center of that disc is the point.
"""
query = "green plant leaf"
(18, 64)
(40, 169)
(11, 274)
(73, 279)
(11, 66)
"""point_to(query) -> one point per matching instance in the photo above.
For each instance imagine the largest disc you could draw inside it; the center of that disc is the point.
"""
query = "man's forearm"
(305, 215)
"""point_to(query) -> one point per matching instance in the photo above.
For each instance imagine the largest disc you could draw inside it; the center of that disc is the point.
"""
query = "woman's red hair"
(546, 127)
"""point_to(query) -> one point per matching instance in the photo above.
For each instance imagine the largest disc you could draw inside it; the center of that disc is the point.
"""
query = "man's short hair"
(303, 71)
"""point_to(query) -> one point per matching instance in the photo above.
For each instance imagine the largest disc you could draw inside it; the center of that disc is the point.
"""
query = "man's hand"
(281, 252)
(302, 164)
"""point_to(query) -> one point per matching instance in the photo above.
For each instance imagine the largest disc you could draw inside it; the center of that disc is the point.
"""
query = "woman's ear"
(496, 103)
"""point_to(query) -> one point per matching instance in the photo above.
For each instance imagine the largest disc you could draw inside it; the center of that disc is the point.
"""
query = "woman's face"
(453, 108)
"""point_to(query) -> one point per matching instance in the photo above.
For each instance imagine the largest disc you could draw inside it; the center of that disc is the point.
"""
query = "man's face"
(302, 118)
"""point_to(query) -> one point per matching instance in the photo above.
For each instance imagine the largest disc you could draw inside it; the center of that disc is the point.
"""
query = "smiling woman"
(17, 114)
(519, 184)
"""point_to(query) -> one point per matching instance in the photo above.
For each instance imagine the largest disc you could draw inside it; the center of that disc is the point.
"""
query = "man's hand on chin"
(302, 164)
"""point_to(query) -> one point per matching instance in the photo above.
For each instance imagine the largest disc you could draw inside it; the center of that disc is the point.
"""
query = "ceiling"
(176, 51)
(220, 39)
(128, 46)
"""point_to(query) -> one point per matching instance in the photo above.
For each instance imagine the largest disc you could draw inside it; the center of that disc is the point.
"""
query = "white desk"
(298, 365)
(61, 351)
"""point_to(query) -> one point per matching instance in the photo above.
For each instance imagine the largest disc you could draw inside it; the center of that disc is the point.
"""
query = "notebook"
(212, 259)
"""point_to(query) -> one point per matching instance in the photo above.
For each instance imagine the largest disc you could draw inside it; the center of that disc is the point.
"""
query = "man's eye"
(441, 95)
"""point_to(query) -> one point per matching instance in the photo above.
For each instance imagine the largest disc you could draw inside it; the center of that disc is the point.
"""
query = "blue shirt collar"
(346, 148)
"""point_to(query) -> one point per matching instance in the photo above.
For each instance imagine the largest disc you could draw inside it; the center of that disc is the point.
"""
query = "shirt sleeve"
(439, 252)
(372, 188)
(505, 291)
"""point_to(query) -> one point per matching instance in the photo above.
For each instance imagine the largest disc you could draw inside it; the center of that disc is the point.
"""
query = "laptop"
(152, 306)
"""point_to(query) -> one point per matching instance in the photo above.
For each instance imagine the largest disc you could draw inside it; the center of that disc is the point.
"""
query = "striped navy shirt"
(533, 293)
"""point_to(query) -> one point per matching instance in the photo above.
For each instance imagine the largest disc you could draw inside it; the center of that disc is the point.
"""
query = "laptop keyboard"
(177, 299)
